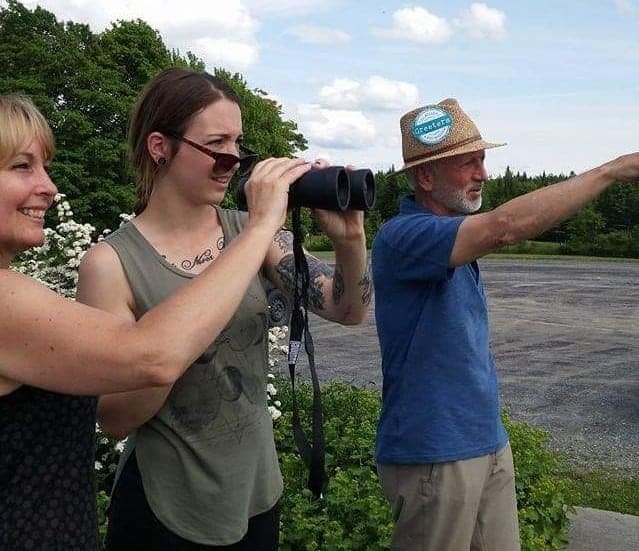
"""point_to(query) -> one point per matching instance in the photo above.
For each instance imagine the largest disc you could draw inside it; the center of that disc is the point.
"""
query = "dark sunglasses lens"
(225, 162)
(246, 164)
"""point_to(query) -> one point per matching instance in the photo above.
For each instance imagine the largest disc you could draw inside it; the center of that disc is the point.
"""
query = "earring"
(161, 161)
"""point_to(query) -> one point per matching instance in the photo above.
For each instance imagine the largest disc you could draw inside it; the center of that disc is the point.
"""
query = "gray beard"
(456, 202)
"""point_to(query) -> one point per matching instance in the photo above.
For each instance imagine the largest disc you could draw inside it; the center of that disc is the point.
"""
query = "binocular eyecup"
(332, 188)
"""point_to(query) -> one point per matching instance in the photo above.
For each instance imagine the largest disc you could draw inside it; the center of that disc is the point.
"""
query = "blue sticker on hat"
(432, 125)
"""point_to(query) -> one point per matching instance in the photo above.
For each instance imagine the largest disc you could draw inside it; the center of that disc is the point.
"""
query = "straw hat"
(437, 131)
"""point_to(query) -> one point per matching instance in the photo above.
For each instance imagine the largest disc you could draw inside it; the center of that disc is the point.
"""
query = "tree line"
(85, 83)
(608, 226)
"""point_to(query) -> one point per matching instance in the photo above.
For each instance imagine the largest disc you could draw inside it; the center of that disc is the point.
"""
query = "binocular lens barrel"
(326, 188)
(362, 189)
(331, 188)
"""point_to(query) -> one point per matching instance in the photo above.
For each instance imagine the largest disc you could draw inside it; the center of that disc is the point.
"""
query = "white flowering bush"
(276, 349)
(56, 262)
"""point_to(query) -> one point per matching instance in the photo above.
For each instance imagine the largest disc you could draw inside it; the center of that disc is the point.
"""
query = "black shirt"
(47, 488)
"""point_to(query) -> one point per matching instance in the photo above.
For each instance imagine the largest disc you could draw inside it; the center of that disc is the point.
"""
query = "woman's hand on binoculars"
(340, 227)
(267, 188)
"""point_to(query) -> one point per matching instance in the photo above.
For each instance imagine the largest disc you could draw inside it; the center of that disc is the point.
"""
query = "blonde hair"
(20, 124)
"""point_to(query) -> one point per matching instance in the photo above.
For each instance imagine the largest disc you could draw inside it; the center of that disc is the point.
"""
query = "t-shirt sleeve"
(420, 245)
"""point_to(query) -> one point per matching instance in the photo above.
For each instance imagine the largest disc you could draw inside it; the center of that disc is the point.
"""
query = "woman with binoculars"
(200, 470)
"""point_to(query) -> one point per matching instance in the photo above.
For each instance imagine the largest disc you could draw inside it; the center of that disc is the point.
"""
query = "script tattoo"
(367, 287)
(338, 284)
(316, 270)
(284, 240)
(201, 258)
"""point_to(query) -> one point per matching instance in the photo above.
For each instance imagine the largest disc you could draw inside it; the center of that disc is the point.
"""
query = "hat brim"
(467, 148)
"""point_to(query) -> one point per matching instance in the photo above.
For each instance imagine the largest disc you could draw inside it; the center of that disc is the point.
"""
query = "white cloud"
(286, 8)
(417, 24)
(383, 93)
(342, 92)
(377, 93)
(625, 7)
(220, 52)
(483, 22)
(335, 128)
(223, 36)
(319, 35)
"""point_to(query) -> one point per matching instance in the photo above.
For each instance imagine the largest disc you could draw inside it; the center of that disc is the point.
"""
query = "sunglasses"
(224, 162)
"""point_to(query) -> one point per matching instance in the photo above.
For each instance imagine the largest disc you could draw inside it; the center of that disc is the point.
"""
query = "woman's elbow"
(115, 432)
(159, 366)
(111, 427)
(353, 315)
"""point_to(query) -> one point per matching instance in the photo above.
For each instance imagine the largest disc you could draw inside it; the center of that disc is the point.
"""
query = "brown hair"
(167, 105)
(20, 123)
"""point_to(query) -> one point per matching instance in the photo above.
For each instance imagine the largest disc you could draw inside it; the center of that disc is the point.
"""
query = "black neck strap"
(312, 453)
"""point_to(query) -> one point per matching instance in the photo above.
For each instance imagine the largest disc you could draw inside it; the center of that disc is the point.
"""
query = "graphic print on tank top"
(217, 395)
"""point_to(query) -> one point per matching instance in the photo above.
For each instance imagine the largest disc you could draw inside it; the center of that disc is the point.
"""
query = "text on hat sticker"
(432, 125)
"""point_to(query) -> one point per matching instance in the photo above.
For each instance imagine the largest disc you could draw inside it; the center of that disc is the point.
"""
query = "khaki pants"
(455, 506)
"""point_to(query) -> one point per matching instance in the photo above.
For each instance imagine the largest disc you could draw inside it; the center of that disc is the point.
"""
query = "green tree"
(583, 229)
(86, 83)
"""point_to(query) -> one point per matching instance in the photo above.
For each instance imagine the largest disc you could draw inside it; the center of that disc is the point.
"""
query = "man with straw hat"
(443, 455)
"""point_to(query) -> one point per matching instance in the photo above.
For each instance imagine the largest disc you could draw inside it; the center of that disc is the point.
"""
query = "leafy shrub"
(531, 247)
(355, 514)
(318, 243)
(541, 494)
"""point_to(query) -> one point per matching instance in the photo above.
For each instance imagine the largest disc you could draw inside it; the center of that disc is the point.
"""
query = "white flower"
(270, 389)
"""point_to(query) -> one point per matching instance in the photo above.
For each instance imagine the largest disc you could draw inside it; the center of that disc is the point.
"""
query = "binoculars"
(332, 188)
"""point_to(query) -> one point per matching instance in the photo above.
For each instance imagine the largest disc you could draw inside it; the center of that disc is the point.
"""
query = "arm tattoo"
(284, 240)
(367, 287)
(316, 270)
(338, 284)
(286, 270)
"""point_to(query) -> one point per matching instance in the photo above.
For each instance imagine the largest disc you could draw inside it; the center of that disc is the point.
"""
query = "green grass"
(603, 490)
(323, 255)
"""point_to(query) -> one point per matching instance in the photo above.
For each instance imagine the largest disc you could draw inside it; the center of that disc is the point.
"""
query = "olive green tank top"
(207, 458)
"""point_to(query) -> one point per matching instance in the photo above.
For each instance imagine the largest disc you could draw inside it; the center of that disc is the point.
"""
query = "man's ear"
(424, 177)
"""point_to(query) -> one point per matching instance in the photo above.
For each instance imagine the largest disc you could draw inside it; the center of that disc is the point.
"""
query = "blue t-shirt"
(440, 393)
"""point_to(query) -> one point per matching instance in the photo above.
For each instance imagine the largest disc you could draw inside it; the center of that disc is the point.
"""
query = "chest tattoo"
(205, 256)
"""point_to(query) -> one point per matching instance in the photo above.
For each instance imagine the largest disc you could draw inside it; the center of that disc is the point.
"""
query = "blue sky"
(557, 80)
